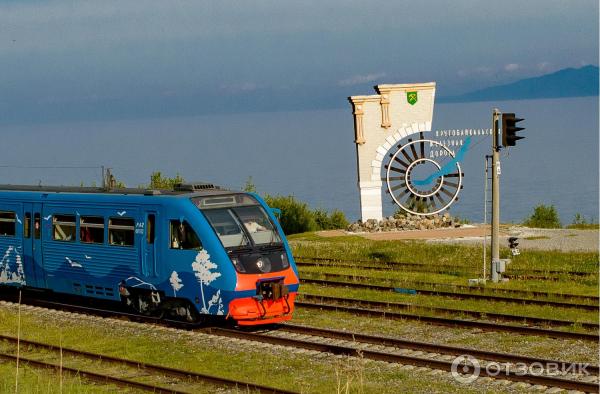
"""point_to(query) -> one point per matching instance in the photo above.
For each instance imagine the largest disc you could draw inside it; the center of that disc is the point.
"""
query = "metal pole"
(495, 195)
(485, 197)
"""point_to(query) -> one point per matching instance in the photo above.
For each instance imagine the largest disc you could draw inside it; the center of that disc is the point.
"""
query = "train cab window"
(121, 231)
(8, 224)
(91, 229)
(183, 236)
(37, 225)
(27, 225)
(64, 228)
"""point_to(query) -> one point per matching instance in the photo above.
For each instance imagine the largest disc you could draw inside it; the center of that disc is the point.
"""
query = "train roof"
(183, 190)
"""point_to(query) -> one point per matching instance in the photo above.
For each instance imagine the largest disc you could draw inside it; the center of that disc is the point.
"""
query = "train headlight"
(263, 264)
(238, 265)
(284, 260)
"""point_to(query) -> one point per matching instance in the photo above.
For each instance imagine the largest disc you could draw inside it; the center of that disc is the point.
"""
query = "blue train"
(191, 252)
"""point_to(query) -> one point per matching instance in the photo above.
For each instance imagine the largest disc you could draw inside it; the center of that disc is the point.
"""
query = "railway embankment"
(372, 314)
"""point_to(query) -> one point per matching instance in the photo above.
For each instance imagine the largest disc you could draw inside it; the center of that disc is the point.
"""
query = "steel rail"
(459, 323)
(158, 369)
(94, 376)
(422, 346)
(470, 313)
(449, 294)
(474, 289)
(402, 359)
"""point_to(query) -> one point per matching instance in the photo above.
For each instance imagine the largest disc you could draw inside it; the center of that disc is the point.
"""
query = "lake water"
(311, 154)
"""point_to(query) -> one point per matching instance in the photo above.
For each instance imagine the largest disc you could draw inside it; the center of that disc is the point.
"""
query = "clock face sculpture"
(424, 177)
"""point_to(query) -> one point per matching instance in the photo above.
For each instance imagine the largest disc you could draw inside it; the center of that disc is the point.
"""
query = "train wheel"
(144, 304)
(185, 310)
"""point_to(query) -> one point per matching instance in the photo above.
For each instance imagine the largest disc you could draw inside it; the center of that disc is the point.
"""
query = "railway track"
(442, 293)
(357, 346)
(470, 289)
(131, 373)
(468, 313)
(449, 322)
(395, 351)
(432, 348)
(443, 268)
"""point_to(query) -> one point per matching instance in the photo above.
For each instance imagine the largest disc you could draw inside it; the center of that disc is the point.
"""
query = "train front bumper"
(250, 311)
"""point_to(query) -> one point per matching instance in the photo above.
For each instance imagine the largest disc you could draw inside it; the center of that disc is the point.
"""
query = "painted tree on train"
(203, 267)
(176, 283)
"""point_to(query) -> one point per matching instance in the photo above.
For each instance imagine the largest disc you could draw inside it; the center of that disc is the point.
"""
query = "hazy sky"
(111, 59)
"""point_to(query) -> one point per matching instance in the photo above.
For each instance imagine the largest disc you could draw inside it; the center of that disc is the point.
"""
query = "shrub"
(249, 186)
(296, 216)
(544, 216)
(333, 221)
(321, 218)
(338, 220)
(157, 181)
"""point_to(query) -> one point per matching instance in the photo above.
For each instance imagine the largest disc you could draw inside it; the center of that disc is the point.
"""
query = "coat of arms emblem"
(411, 97)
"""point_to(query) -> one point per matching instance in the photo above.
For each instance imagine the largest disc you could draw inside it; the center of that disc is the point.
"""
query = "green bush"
(249, 186)
(544, 216)
(321, 218)
(337, 220)
(296, 216)
(333, 221)
(157, 181)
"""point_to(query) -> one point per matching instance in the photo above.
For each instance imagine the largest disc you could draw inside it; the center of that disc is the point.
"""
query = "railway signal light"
(513, 245)
(509, 129)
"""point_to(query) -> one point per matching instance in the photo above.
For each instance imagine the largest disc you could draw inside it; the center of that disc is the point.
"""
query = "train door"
(149, 249)
(32, 244)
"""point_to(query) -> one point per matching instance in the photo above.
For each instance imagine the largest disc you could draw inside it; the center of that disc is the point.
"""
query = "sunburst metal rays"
(421, 198)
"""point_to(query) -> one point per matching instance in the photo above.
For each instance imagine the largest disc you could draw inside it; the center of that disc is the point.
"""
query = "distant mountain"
(568, 82)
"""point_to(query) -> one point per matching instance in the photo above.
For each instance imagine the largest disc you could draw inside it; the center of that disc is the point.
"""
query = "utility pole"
(495, 196)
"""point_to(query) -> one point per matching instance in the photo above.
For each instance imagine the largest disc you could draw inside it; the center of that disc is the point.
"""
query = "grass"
(35, 380)
(279, 367)
(547, 312)
(584, 226)
(536, 237)
(399, 278)
(358, 248)
(342, 275)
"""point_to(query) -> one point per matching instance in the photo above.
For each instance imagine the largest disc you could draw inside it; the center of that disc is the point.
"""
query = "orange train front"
(229, 259)
(266, 277)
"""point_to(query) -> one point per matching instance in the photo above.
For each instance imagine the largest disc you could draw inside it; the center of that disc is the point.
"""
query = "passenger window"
(183, 236)
(150, 229)
(37, 226)
(91, 229)
(8, 223)
(27, 225)
(63, 228)
(121, 231)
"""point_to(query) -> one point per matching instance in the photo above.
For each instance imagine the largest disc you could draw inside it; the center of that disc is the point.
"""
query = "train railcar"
(191, 252)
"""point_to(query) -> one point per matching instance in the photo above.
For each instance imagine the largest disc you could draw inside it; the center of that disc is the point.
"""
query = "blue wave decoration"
(448, 168)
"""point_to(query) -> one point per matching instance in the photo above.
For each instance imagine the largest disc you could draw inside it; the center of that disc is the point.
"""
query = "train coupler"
(271, 290)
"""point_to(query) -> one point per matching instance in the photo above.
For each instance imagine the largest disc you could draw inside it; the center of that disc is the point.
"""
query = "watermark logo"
(465, 369)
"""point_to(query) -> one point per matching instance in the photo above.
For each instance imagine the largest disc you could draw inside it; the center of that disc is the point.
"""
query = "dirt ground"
(529, 238)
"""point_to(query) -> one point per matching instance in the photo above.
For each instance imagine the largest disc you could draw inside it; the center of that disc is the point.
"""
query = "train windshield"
(238, 220)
